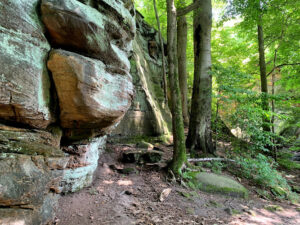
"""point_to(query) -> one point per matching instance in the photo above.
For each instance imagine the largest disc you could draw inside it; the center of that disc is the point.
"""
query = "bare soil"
(123, 199)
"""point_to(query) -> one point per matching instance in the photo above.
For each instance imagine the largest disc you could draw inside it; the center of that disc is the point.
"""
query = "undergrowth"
(261, 170)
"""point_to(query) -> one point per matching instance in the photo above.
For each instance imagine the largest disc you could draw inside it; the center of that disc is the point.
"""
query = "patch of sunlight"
(125, 182)
(18, 222)
(108, 182)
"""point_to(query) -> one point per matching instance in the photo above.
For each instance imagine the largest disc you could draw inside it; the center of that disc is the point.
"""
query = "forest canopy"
(239, 75)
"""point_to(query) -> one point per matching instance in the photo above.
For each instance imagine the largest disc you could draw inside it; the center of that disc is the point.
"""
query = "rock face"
(24, 80)
(148, 114)
(59, 97)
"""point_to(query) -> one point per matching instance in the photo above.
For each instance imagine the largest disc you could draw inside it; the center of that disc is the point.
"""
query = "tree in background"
(179, 152)
(200, 134)
(182, 63)
(162, 51)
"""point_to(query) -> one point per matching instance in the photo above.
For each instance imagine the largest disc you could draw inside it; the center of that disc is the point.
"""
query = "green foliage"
(262, 171)
(215, 166)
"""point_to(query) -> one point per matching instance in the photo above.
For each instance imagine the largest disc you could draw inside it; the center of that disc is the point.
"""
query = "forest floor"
(118, 199)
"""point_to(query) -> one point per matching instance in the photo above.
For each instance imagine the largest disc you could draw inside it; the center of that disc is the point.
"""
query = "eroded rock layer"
(64, 85)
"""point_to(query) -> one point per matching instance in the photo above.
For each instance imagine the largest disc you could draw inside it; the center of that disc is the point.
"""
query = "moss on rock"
(214, 183)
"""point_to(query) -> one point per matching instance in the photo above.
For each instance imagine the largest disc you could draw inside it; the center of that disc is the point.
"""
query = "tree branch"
(209, 159)
(282, 65)
(185, 10)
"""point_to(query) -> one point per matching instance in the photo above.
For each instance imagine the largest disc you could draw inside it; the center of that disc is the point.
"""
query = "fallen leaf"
(164, 194)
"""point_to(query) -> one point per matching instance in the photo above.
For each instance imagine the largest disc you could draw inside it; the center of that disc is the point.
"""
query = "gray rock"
(220, 184)
(24, 81)
(25, 180)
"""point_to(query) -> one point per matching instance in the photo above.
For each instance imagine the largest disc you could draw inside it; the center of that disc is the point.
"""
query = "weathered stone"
(148, 114)
(23, 181)
(220, 184)
(81, 168)
(24, 81)
(77, 27)
(89, 96)
(29, 142)
(39, 214)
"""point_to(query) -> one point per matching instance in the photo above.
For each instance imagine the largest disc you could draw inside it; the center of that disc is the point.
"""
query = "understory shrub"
(262, 172)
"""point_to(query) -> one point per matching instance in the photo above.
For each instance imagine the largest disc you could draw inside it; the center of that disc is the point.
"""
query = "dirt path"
(118, 199)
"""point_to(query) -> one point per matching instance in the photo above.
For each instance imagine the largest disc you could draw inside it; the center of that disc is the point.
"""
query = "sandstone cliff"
(65, 84)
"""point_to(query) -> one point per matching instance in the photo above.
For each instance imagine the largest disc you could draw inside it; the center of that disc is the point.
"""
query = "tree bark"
(179, 153)
(181, 52)
(162, 52)
(200, 135)
(263, 74)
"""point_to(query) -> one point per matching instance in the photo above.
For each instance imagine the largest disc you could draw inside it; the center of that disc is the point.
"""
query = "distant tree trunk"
(181, 52)
(263, 74)
(200, 134)
(274, 149)
(179, 153)
(162, 52)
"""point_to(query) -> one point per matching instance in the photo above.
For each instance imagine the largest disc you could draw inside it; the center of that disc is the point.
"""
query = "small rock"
(142, 156)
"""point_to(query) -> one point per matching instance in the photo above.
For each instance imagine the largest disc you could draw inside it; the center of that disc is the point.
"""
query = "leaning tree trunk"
(200, 134)
(162, 52)
(179, 153)
(181, 52)
(263, 74)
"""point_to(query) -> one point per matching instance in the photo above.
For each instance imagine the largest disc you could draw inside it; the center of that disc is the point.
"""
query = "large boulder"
(24, 81)
(80, 28)
(90, 98)
(214, 183)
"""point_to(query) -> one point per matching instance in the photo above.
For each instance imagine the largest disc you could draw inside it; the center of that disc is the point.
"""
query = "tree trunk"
(179, 153)
(274, 149)
(181, 52)
(200, 135)
(263, 74)
(162, 52)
